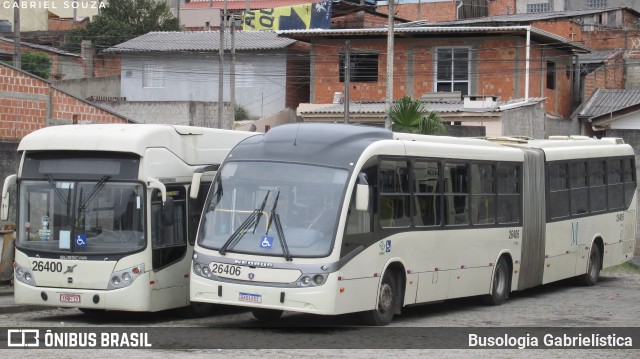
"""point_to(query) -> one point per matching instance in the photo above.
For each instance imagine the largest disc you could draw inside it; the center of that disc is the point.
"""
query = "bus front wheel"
(387, 302)
(500, 287)
(593, 269)
(266, 315)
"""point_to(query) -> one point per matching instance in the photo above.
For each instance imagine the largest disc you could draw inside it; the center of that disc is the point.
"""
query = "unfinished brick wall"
(432, 11)
(107, 65)
(28, 104)
(501, 7)
(609, 76)
(498, 69)
(56, 70)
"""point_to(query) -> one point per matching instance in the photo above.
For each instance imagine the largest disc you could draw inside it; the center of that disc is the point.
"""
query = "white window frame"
(452, 81)
(152, 75)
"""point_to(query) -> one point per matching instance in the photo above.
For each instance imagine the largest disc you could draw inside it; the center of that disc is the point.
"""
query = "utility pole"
(347, 79)
(232, 80)
(389, 97)
(221, 72)
(16, 37)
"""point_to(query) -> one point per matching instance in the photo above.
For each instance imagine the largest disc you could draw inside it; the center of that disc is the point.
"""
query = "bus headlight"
(124, 278)
(318, 279)
(197, 268)
(206, 271)
(311, 280)
(24, 275)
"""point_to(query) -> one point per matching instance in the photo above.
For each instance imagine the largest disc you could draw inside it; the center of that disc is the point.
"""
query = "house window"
(152, 75)
(596, 3)
(541, 7)
(363, 67)
(551, 75)
(452, 70)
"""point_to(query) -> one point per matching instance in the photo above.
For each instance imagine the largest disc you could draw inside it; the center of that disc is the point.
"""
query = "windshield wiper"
(275, 218)
(94, 191)
(237, 235)
(52, 183)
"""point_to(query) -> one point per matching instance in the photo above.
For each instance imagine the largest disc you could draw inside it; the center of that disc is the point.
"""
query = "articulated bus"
(104, 221)
(331, 219)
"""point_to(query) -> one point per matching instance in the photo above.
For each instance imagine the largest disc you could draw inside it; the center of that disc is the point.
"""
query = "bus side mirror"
(8, 182)
(166, 216)
(362, 193)
(197, 177)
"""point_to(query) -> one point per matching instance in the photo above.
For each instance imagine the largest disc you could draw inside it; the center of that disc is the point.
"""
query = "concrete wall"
(561, 127)
(465, 131)
(96, 86)
(193, 113)
(260, 79)
(524, 121)
(263, 124)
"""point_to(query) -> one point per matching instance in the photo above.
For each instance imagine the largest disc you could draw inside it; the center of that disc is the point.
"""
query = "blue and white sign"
(81, 240)
(388, 246)
(266, 242)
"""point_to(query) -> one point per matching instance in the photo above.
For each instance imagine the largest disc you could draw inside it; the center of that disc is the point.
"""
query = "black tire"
(92, 311)
(387, 302)
(266, 315)
(590, 278)
(197, 310)
(501, 284)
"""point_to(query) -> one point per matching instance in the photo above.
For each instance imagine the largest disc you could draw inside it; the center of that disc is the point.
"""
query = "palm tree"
(412, 116)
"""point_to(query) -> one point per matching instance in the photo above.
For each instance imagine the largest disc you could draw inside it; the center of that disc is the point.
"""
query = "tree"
(412, 116)
(122, 20)
(37, 64)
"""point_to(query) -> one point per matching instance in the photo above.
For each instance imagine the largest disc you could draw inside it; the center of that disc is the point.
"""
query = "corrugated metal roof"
(598, 56)
(42, 47)
(539, 35)
(242, 4)
(379, 107)
(525, 17)
(605, 101)
(201, 41)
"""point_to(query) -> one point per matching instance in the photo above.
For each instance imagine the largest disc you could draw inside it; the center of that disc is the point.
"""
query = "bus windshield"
(273, 209)
(81, 217)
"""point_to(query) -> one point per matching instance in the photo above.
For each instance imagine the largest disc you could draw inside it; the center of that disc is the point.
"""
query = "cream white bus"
(104, 221)
(332, 219)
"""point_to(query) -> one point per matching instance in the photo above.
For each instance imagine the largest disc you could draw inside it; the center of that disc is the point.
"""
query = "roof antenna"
(295, 140)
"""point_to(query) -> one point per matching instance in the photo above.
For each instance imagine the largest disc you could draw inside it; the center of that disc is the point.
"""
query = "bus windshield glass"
(273, 209)
(81, 217)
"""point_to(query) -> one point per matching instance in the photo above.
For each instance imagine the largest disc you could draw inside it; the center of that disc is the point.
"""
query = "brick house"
(478, 61)
(64, 64)
(28, 103)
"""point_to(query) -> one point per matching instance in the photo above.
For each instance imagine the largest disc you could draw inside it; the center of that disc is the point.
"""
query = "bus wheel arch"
(389, 297)
(594, 263)
(500, 281)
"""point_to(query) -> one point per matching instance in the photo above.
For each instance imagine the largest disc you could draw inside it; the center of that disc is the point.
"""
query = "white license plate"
(70, 298)
(248, 297)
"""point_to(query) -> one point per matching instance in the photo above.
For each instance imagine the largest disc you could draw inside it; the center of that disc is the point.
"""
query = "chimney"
(88, 53)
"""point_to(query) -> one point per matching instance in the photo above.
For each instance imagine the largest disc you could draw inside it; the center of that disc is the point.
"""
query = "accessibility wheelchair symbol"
(266, 242)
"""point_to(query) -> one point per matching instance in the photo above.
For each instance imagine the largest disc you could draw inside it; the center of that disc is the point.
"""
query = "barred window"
(596, 3)
(540, 7)
(452, 70)
(363, 67)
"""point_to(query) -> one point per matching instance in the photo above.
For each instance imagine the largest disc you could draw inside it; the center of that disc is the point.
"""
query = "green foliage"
(241, 113)
(122, 20)
(412, 116)
(36, 63)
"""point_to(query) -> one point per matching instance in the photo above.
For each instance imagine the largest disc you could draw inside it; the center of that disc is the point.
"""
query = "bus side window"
(615, 190)
(597, 186)
(508, 194)
(428, 194)
(483, 199)
(394, 208)
(456, 199)
(629, 181)
(579, 189)
(359, 222)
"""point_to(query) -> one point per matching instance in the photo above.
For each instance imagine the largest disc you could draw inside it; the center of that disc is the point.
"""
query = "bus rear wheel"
(593, 269)
(266, 315)
(387, 302)
(500, 287)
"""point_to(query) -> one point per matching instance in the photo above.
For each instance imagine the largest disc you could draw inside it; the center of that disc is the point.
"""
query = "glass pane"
(579, 201)
(598, 198)
(616, 196)
(614, 167)
(508, 178)
(455, 176)
(463, 87)
(629, 191)
(443, 87)
(461, 64)
(481, 179)
(508, 209)
(483, 209)
(394, 177)
(559, 204)
(456, 209)
(427, 210)
(444, 63)
(578, 174)
(596, 173)
(426, 177)
(629, 170)
(558, 176)
(394, 211)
